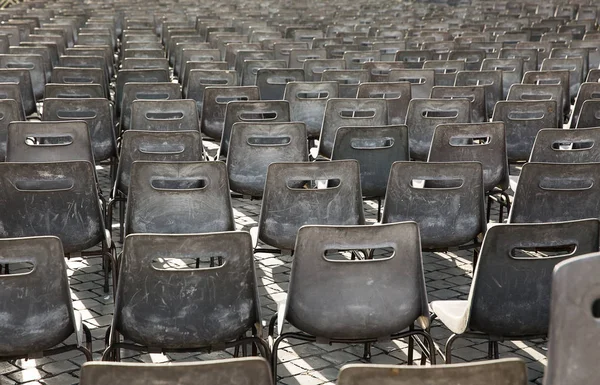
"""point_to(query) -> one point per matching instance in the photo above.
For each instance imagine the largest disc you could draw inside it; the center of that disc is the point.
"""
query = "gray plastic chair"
(556, 77)
(347, 301)
(314, 68)
(507, 371)
(34, 64)
(533, 92)
(350, 112)
(444, 70)
(200, 65)
(144, 91)
(245, 371)
(74, 91)
(298, 56)
(215, 104)
(254, 146)
(164, 115)
(36, 323)
(475, 95)
(23, 79)
(573, 65)
(196, 318)
(271, 82)
(10, 111)
(511, 70)
(421, 81)
(137, 76)
(348, 80)
(379, 71)
(413, 58)
(396, 94)
(307, 103)
(510, 293)
(490, 80)
(197, 80)
(72, 75)
(567, 146)
(296, 194)
(178, 198)
(44, 52)
(586, 92)
(553, 192)
(575, 306)
(588, 114)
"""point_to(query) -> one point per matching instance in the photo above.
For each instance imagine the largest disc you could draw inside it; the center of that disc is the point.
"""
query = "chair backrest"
(474, 94)
(159, 146)
(588, 116)
(507, 371)
(445, 199)
(586, 92)
(145, 63)
(97, 113)
(348, 80)
(164, 115)
(178, 198)
(10, 110)
(23, 79)
(444, 70)
(296, 194)
(555, 77)
(396, 94)
(44, 52)
(534, 92)
(198, 79)
(298, 56)
(574, 65)
(474, 142)
(254, 146)
(245, 371)
(522, 121)
(48, 296)
(215, 104)
(413, 58)
(528, 55)
(425, 114)
(221, 301)
(199, 65)
(314, 68)
(510, 293)
(552, 192)
(490, 80)
(144, 91)
(566, 146)
(73, 90)
(421, 81)
(379, 71)
(350, 112)
(34, 64)
(575, 306)
(271, 82)
(307, 102)
(375, 148)
(61, 199)
(72, 75)
(137, 76)
(251, 67)
(317, 278)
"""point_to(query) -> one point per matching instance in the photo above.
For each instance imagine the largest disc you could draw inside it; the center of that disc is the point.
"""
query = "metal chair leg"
(448, 350)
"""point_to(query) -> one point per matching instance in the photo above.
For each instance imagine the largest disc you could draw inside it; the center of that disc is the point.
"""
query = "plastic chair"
(379, 71)
(490, 80)
(44, 52)
(137, 76)
(475, 95)
(533, 92)
(10, 111)
(511, 70)
(250, 370)
(510, 293)
(413, 58)
(36, 323)
(164, 115)
(254, 146)
(508, 371)
(296, 194)
(271, 82)
(314, 68)
(396, 94)
(556, 77)
(307, 101)
(178, 198)
(575, 67)
(552, 192)
(566, 146)
(348, 80)
(529, 56)
(197, 80)
(34, 64)
(144, 91)
(210, 321)
(586, 92)
(215, 104)
(574, 305)
(346, 301)
(74, 91)
(72, 75)
(250, 69)
(421, 80)
(444, 70)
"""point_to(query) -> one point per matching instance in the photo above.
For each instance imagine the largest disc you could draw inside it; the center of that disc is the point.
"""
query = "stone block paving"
(448, 276)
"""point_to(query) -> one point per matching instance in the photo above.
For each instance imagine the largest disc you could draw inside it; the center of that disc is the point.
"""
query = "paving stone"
(7, 367)
(61, 379)
(29, 374)
(59, 367)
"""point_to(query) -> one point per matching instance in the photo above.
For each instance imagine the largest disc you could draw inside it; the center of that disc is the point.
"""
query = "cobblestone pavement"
(448, 276)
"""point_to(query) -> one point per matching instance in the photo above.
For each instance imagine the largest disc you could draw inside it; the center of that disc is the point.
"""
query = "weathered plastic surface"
(379, 71)
(244, 371)
(256, 111)
(254, 146)
(97, 113)
(396, 94)
(445, 70)
(251, 67)
(138, 76)
(492, 82)
(176, 146)
(552, 192)
(75, 91)
(531, 92)
(145, 91)
(507, 371)
(287, 205)
(299, 56)
(243, 55)
(511, 70)
(445, 199)
(198, 80)
(575, 293)
(215, 104)
(413, 58)
(178, 198)
(350, 112)
(271, 82)
(348, 80)
(66, 75)
(586, 92)
(144, 63)
(528, 55)
(44, 317)
(23, 79)
(85, 62)
(560, 77)
(357, 299)
(421, 81)
(472, 57)
(475, 95)
(375, 148)
(10, 111)
(307, 102)
(425, 114)
(105, 51)
(510, 293)
(575, 67)
(200, 65)
(355, 59)
(206, 306)
(62, 200)
(566, 146)
(474, 142)
(34, 64)
(314, 68)
(194, 53)
(522, 121)
(35, 50)
(164, 115)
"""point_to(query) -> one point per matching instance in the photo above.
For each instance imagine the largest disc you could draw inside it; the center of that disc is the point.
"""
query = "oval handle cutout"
(574, 145)
(227, 99)
(73, 96)
(164, 149)
(526, 115)
(372, 143)
(596, 309)
(528, 96)
(17, 267)
(187, 264)
(3, 95)
(210, 82)
(566, 184)
(313, 184)
(303, 58)
(77, 79)
(164, 115)
(47, 140)
(537, 252)
(437, 183)
(313, 95)
(73, 114)
(360, 60)
(547, 81)
(173, 184)
(505, 68)
(461, 141)
(320, 70)
(359, 256)
(479, 82)
(32, 185)
(280, 80)
(559, 67)
(269, 140)
(359, 114)
(595, 95)
(253, 116)
(381, 71)
(152, 95)
(385, 95)
(413, 80)
(27, 66)
(440, 114)
(202, 58)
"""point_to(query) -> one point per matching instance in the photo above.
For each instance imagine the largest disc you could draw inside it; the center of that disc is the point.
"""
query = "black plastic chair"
(272, 82)
(34, 324)
(396, 94)
(421, 81)
(557, 77)
(586, 92)
(490, 80)
(307, 102)
(347, 301)
(10, 111)
(164, 115)
(566, 146)
(474, 94)
(74, 91)
(510, 293)
(215, 104)
(34, 64)
(534, 92)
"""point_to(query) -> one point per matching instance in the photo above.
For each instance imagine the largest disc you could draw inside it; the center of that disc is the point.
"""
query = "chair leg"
(367, 352)
(121, 219)
(274, 357)
(448, 350)
(411, 348)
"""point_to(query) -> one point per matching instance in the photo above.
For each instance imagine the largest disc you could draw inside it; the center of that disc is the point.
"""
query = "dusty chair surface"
(164, 115)
(10, 111)
(42, 319)
(515, 271)
(307, 103)
(567, 146)
(144, 91)
(178, 198)
(575, 306)
(244, 371)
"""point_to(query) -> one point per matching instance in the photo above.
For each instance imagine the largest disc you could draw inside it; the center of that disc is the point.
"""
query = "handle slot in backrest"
(581, 144)
(186, 264)
(281, 80)
(359, 256)
(439, 114)
(470, 98)
(313, 184)
(358, 114)
(360, 60)
(162, 149)
(248, 116)
(226, 99)
(465, 140)
(320, 70)
(558, 67)
(152, 95)
(552, 81)
(381, 71)
(480, 82)
(174, 184)
(27, 66)
(269, 140)
(541, 251)
(74, 96)
(210, 82)
(75, 114)
(541, 96)
(313, 95)
(526, 115)
(385, 95)
(164, 115)
(412, 80)
(18, 267)
(77, 79)
(595, 95)
(505, 68)
(43, 185)
(48, 140)
(437, 183)
(371, 143)
(596, 308)
(566, 184)
(203, 58)
(303, 58)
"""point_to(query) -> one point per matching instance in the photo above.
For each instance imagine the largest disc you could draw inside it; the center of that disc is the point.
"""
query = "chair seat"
(453, 314)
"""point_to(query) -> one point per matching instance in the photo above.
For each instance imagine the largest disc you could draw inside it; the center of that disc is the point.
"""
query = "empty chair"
(507, 371)
(475, 94)
(375, 304)
(588, 116)
(566, 146)
(348, 80)
(511, 70)
(586, 92)
(349, 112)
(251, 67)
(532, 92)
(254, 146)
(137, 76)
(215, 104)
(296, 194)
(510, 294)
(272, 82)
(472, 58)
(314, 68)
(164, 115)
(34, 64)
(10, 111)
(73, 90)
(396, 94)
(556, 77)
(552, 192)
(23, 79)
(574, 305)
(575, 67)
(379, 71)
(445, 70)
(413, 58)
(490, 80)
(425, 114)
(307, 102)
(36, 323)
(71, 75)
(250, 371)
(421, 80)
(210, 321)
(178, 198)
(199, 79)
